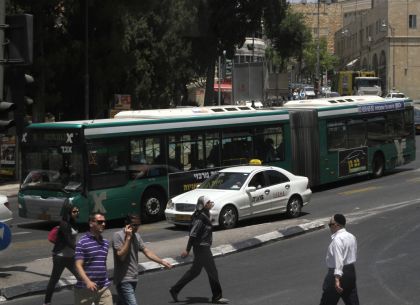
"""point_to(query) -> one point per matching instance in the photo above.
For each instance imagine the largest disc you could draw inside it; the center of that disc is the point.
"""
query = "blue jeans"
(127, 293)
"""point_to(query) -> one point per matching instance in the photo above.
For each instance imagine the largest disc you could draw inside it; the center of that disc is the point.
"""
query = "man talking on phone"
(126, 244)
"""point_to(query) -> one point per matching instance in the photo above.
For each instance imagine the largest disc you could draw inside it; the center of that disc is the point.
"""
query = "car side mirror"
(251, 189)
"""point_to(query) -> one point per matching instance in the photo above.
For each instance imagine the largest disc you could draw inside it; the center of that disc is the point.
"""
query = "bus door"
(305, 144)
(108, 178)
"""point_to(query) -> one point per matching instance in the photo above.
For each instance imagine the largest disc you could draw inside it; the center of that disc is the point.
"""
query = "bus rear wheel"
(378, 166)
(152, 206)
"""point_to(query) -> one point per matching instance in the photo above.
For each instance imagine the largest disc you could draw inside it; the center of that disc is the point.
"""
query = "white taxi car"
(5, 212)
(242, 192)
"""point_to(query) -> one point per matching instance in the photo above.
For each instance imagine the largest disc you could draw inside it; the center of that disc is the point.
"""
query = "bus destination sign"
(52, 138)
(381, 107)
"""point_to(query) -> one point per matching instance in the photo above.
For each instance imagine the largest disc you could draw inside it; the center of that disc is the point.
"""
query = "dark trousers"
(202, 258)
(59, 263)
(330, 296)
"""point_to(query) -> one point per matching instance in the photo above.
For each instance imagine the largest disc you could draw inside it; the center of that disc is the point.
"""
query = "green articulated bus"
(136, 161)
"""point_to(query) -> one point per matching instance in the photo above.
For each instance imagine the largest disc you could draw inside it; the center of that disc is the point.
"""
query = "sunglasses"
(100, 222)
(135, 225)
(75, 212)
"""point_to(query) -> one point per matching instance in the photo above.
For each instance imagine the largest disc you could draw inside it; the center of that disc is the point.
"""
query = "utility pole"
(2, 29)
(317, 55)
(87, 59)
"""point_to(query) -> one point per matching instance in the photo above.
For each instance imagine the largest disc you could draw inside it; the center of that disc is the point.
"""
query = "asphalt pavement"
(32, 277)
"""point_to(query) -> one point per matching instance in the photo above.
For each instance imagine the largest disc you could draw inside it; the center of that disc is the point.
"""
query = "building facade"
(382, 36)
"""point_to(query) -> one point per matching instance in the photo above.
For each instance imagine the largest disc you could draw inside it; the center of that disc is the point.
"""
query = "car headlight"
(170, 205)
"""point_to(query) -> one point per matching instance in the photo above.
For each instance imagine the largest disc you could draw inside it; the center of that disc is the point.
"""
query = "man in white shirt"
(340, 281)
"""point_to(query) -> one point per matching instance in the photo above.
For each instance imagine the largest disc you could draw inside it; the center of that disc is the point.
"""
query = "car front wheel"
(228, 217)
(294, 207)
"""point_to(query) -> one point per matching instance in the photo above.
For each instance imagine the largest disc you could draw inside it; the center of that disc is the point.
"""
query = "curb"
(222, 250)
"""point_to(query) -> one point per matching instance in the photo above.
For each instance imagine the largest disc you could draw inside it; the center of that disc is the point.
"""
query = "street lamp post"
(385, 26)
(219, 96)
(317, 53)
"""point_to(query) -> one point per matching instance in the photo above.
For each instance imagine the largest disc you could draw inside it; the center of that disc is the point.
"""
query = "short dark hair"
(340, 219)
(92, 216)
(130, 217)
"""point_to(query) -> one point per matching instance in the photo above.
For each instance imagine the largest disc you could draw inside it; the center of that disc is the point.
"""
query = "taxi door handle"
(267, 192)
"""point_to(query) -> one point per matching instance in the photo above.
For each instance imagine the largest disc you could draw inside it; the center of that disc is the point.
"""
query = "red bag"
(52, 236)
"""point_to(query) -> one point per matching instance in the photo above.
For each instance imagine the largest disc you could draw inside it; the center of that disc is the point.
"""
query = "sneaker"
(174, 295)
(220, 301)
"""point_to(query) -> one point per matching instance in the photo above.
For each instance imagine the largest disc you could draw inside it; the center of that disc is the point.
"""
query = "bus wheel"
(152, 206)
(294, 207)
(228, 217)
(378, 166)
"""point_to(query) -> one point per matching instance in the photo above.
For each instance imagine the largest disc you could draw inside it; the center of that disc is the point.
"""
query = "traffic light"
(228, 67)
(19, 43)
(17, 84)
(5, 121)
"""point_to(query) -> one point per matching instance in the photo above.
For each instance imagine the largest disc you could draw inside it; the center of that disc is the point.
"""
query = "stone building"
(383, 36)
(330, 19)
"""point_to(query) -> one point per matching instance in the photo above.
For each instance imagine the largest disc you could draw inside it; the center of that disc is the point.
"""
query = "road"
(30, 242)
(291, 272)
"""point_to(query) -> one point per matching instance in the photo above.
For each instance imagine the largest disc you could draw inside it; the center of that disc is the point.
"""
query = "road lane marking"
(30, 243)
(20, 233)
(362, 190)
(414, 179)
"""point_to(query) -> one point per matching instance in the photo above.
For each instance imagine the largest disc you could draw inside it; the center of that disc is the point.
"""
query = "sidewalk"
(10, 189)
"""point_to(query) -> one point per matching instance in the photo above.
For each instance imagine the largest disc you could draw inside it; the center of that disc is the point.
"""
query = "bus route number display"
(352, 161)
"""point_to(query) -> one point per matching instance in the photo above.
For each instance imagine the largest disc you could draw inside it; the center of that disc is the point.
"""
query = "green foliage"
(288, 33)
(148, 49)
(327, 61)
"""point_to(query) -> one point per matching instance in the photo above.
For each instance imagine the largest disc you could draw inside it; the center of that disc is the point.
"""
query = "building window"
(412, 21)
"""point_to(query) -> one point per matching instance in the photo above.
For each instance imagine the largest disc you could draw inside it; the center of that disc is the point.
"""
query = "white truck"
(367, 85)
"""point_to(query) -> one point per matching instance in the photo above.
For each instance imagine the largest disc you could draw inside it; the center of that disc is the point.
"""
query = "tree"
(289, 36)
(327, 61)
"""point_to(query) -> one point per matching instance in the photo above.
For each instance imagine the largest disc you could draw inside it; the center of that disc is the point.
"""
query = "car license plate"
(182, 217)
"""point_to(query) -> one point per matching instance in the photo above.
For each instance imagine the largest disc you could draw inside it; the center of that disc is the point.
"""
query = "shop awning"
(352, 63)
(223, 87)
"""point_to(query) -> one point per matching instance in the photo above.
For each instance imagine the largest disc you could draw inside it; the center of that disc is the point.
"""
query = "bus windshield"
(367, 82)
(51, 168)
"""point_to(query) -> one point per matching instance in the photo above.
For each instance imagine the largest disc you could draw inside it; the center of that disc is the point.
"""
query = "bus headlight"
(170, 205)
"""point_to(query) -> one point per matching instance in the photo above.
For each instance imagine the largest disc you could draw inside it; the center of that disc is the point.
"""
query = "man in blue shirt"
(91, 253)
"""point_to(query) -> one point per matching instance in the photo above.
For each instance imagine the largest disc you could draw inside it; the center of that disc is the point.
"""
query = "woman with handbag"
(63, 251)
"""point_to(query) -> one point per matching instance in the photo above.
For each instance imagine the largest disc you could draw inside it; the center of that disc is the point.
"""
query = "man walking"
(340, 281)
(200, 240)
(126, 244)
(91, 252)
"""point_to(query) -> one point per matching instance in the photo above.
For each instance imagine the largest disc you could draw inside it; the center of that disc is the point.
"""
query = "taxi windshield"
(225, 181)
